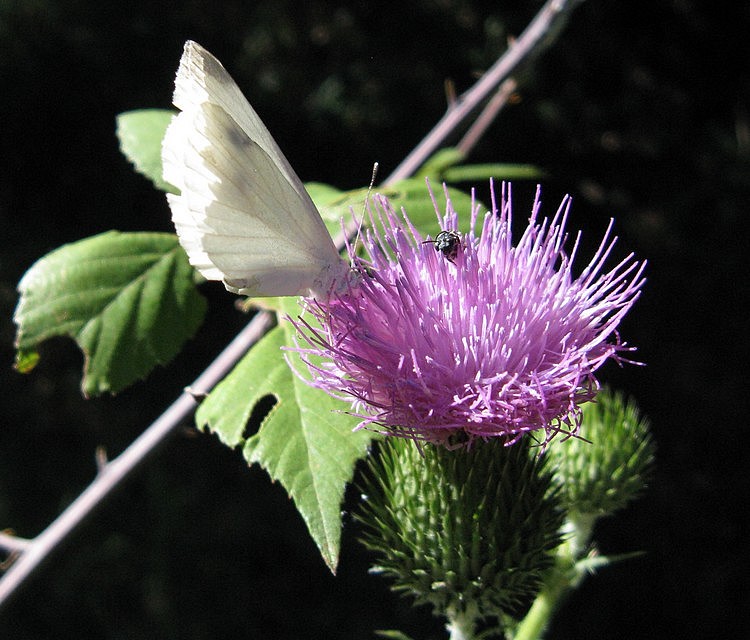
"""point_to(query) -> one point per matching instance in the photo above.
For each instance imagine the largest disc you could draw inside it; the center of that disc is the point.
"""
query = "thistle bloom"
(477, 339)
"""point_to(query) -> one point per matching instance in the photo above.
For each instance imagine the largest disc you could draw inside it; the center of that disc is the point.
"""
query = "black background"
(640, 110)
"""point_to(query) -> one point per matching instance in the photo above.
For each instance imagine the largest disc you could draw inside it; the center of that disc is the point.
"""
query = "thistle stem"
(560, 580)
(462, 625)
(545, 605)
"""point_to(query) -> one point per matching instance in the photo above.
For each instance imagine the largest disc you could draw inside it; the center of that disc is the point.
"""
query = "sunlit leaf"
(140, 134)
(479, 173)
(305, 442)
(436, 165)
(128, 300)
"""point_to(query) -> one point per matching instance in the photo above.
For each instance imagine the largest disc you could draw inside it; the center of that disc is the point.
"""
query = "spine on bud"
(468, 531)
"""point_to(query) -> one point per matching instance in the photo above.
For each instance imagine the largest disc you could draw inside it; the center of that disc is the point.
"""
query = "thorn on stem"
(196, 394)
(100, 455)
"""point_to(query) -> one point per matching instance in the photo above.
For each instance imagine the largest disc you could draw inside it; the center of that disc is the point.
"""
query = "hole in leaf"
(262, 408)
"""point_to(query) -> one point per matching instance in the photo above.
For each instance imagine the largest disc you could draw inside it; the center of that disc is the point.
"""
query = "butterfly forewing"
(243, 215)
(202, 79)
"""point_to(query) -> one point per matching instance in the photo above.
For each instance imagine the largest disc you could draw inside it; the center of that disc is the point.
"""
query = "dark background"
(640, 110)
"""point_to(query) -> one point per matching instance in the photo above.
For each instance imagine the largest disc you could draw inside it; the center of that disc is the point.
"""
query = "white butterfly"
(243, 216)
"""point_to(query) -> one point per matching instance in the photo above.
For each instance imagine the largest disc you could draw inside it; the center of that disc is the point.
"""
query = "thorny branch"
(25, 556)
(31, 553)
(539, 35)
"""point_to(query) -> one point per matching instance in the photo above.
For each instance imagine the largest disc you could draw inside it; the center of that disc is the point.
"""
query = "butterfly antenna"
(364, 207)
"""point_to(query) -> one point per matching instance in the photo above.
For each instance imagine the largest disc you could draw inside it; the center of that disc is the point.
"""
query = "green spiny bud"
(609, 465)
(469, 531)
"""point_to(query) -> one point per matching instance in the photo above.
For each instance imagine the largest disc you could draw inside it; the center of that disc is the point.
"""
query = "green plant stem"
(545, 605)
(462, 626)
(564, 576)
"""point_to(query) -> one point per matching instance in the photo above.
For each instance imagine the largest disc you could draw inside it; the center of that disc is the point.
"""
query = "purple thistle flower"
(484, 339)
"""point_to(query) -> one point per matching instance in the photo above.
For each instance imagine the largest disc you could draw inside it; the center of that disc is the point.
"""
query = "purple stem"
(33, 552)
(537, 36)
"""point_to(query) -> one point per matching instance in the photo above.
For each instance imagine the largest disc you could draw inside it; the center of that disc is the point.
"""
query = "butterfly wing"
(243, 216)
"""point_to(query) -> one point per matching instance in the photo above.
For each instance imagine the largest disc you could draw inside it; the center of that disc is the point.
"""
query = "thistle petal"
(492, 340)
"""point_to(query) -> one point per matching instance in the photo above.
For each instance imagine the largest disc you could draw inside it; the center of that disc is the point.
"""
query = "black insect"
(447, 243)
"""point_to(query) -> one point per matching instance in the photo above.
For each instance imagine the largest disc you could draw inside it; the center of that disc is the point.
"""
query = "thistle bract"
(469, 531)
(492, 340)
(611, 463)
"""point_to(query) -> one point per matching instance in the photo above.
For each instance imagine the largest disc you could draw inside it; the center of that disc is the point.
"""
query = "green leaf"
(127, 299)
(333, 204)
(445, 166)
(26, 361)
(436, 165)
(392, 634)
(140, 134)
(306, 443)
(322, 194)
(499, 171)
(411, 194)
(593, 562)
